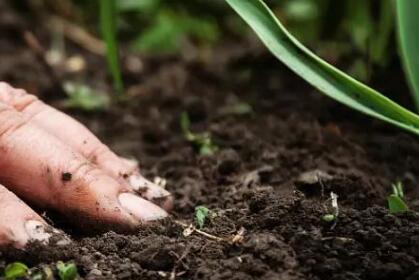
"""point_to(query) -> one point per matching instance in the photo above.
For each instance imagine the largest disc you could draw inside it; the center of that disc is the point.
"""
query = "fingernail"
(36, 231)
(141, 208)
(138, 182)
(147, 188)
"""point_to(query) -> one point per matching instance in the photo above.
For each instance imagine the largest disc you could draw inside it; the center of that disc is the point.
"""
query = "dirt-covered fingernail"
(36, 230)
(142, 209)
(151, 191)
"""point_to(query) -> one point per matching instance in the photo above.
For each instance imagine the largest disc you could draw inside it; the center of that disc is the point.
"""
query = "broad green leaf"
(323, 76)
(108, 28)
(396, 204)
(408, 25)
(15, 270)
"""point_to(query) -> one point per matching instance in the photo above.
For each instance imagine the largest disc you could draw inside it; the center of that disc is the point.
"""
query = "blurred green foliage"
(357, 35)
(165, 27)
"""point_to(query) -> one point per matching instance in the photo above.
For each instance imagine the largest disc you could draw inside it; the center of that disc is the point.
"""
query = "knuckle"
(10, 120)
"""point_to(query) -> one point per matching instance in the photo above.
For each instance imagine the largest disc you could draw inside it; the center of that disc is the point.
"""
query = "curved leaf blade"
(408, 23)
(323, 76)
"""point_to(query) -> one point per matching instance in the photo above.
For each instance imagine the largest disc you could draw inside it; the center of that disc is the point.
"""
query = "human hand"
(52, 161)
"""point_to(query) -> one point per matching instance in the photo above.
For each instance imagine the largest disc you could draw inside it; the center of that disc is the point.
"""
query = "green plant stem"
(108, 28)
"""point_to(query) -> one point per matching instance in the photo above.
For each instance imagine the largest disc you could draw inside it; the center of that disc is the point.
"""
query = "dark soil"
(253, 182)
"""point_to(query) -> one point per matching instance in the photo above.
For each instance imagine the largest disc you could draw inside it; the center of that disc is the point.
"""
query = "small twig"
(78, 35)
(39, 51)
(235, 239)
(194, 229)
(179, 260)
(343, 239)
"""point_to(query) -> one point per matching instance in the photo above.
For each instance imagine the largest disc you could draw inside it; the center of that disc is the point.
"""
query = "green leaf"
(15, 270)
(67, 271)
(201, 213)
(408, 24)
(108, 17)
(323, 76)
(396, 204)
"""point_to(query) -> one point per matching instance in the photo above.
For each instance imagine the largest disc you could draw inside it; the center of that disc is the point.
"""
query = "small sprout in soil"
(395, 200)
(67, 271)
(333, 216)
(202, 141)
(15, 270)
(83, 97)
(201, 214)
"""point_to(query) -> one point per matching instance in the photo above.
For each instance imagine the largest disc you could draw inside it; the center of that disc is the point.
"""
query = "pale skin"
(51, 161)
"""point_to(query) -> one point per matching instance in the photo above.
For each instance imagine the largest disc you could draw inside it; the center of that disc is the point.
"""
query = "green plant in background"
(202, 141)
(408, 26)
(83, 97)
(168, 25)
(108, 18)
(15, 270)
(323, 76)
(165, 35)
(67, 271)
(370, 36)
(395, 200)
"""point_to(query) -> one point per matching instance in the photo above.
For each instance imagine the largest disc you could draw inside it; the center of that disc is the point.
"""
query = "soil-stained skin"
(253, 181)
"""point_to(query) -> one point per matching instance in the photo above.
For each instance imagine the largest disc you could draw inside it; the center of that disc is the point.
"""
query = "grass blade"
(323, 76)
(108, 28)
(408, 24)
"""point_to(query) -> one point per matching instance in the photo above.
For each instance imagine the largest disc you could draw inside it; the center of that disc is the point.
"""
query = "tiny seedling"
(333, 214)
(83, 97)
(395, 200)
(328, 218)
(201, 214)
(15, 270)
(202, 141)
(67, 271)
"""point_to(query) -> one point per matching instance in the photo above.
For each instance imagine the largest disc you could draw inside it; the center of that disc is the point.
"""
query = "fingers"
(82, 140)
(18, 223)
(45, 171)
